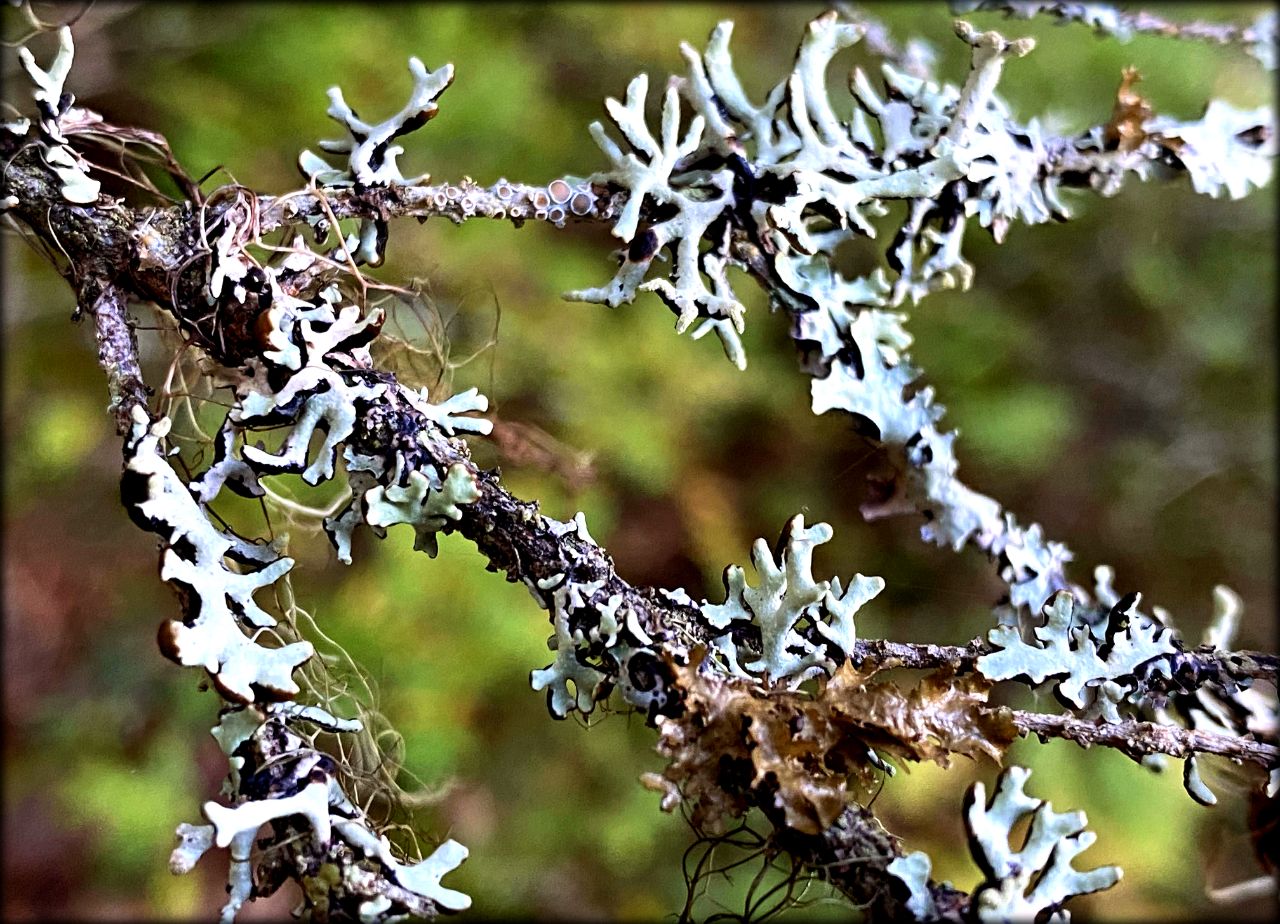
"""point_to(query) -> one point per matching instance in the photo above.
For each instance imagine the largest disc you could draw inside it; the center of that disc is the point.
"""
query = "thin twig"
(1139, 739)
(117, 349)
(1118, 23)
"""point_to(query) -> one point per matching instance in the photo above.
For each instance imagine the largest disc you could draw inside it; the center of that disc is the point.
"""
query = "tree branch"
(556, 203)
(853, 855)
(161, 254)
(1202, 660)
(155, 255)
(1121, 24)
(559, 202)
(117, 349)
(1139, 739)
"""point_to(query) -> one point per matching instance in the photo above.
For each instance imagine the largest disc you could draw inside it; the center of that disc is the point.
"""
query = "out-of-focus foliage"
(1112, 378)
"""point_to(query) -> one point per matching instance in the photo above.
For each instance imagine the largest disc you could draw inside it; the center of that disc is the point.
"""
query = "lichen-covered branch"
(1198, 661)
(559, 202)
(809, 180)
(1141, 739)
(773, 188)
(856, 351)
(1258, 38)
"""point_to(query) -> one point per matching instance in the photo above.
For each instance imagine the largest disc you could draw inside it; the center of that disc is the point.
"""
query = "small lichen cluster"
(372, 165)
(1024, 884)
(216, 573)
(802, 627)
(350, 870)
(1020, 884)
(599, 639)
(53, 103)
(392, 484)
(371, 157)
(1096, 663)
(315, 373)
(698, 203)
(1110, 662)
(786, 630)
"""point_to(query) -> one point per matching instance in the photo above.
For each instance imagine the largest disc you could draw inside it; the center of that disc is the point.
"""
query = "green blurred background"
(1112, 378)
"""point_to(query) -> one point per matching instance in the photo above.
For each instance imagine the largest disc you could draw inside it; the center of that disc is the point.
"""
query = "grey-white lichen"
(1223, 152)
(1035, 879)
(456, 413)
(913, 870)
(197, 558)
(304, 787)
(697, 202)
(791, 178)
(53, 103)
(220, 606)
(425, 502)
(1066, 650)
(313, 373)
(805, 627)
(1030, 882)
(779, 171)
(569, 683)
(371, 157)
(806, 173)
(599, 639)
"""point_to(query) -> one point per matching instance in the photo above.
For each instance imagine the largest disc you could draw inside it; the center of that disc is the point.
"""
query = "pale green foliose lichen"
(1067, 650)
(913, 869)
(196, 557)
(320, 805)
(697, 202)
(425, 502)
(570, 684)
(328, 401)
(423, 877)
(371, 157)
(806, 627)
(453, 415)
(1020, 884)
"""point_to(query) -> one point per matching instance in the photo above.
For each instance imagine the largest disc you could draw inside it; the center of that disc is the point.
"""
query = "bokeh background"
(1113, 378)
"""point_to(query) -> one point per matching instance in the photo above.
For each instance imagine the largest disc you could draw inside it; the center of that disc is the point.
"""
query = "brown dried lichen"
(942, 715)
(809, 755)
(1124, 132)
